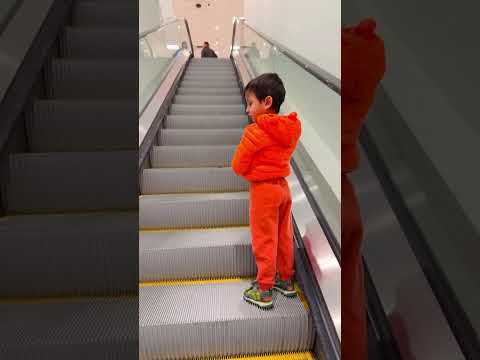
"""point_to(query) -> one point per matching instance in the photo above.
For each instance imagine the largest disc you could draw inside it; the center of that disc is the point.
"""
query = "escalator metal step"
(213, 320)
(208, 99)
(227, 83)
(44, 257)
(193, 210)
(76, 328)
(192, 156)
(64, 125)
(200, 136)
(87, 79)
(191, 180)
(210, 76)
(205, 121)
(210, 72)
(62, 182)
(81, 43)
(183, 109)
(222, 252)
(208, 91)
(105, 14)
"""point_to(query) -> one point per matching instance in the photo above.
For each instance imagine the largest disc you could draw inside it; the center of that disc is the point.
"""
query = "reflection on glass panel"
(7, 9)
(156, 51)
(319, 109)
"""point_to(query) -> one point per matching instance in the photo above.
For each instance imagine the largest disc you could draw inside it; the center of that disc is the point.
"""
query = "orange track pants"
(354, 321)
(272, 232)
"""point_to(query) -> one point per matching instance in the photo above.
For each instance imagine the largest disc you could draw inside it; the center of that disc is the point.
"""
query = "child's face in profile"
(257, 107)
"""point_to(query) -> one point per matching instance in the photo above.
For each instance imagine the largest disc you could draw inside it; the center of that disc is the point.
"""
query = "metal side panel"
(95, 79)
(56, 125)
(193, 210)
(74, 329)
(191, 180)
(194, 254)
(193, 156)
(205, 121)
(207, 320)
(81, 43)
(208, 100)
(58, 182)
(200, 136)
(40, 255)
(182, 109)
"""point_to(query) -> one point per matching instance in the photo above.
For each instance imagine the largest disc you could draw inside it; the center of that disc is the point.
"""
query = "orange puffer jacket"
(363, 66)
(266, 147)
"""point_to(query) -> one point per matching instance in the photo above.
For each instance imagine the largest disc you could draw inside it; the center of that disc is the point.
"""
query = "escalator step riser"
(205, 121)
(208, 100)
(200, 137)
(192, 156)
(210, 77)
(193, 180)
(182, 109)
(195, 254)
(87, 79)
(210, 72)
(105, 14)
(211, 83)
(63, 182)
(82, 126)
(96, 326)
(158, 212)
(92, 260)
(234, 328)
(209, 91)
(91, 43)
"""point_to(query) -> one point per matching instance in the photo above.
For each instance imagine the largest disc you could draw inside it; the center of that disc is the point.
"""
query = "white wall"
(212, 22)
(311, 28)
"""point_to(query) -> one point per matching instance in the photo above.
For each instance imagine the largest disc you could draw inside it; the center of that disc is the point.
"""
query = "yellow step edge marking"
(302, 297)
(281, 356)
(62, 299)
(193, 281)
(203, 228)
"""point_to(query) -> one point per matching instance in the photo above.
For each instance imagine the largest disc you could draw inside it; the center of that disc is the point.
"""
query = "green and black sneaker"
(285, 288)
(254, 295)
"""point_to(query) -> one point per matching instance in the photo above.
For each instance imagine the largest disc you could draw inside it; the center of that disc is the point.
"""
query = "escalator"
(195, 248)
(66, 285)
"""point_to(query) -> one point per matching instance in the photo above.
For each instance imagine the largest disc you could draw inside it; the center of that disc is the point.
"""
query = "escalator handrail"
(324, 76)
(455, 315)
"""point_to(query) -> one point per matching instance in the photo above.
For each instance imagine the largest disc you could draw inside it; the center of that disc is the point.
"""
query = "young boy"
(263, 158)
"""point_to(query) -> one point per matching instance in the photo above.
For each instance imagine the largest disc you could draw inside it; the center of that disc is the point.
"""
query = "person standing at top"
(207, 52)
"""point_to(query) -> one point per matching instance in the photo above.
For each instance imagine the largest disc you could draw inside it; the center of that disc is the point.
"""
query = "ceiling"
(211, 22)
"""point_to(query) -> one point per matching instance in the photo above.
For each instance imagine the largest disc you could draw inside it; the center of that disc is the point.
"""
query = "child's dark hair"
(265, 85)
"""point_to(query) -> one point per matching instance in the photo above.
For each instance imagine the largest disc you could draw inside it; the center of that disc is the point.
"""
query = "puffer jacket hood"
(285, 130)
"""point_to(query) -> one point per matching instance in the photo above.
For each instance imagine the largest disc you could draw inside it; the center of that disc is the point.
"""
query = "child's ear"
(268, 102)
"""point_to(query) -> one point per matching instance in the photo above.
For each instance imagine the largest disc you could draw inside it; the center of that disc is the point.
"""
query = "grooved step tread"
(191, 180)
(216, 321)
